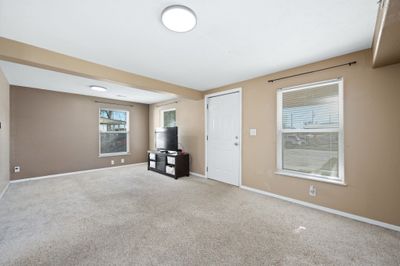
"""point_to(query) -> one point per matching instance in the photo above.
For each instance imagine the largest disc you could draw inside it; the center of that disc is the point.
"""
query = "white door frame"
(206, 97)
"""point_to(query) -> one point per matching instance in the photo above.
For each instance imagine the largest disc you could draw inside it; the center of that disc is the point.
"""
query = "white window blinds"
(310, 130)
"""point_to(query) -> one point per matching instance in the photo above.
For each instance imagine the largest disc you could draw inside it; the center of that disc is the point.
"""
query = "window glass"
(113, 143)
(312, 153)
(111, 121)
(309, 130)
(169, 118)
(114, 132)
(311, 108)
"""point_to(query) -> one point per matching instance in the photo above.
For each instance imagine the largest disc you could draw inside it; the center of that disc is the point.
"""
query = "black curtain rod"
(130, 105)
(313, 71)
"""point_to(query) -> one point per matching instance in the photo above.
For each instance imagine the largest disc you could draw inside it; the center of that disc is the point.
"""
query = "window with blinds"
(310, 131)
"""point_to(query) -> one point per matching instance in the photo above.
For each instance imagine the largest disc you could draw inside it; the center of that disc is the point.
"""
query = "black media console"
(171, 164)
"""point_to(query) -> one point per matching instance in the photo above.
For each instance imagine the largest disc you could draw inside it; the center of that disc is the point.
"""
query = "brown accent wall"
(190, 122)
(53, 132)
(372, 138)
(4, 132)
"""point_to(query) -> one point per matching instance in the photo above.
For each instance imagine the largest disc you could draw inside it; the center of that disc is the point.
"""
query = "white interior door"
(223, 142)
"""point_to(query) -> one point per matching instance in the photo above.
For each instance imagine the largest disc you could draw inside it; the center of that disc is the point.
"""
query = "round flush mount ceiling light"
(178, 18)
(97, 88)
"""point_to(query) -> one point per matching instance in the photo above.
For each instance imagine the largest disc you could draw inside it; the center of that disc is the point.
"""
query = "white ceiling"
(28, 76)
(234, 39)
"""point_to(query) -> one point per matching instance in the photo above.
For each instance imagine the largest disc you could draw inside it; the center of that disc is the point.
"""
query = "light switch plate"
(253, 132)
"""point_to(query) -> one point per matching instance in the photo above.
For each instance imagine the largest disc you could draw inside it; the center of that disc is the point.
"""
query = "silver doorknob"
(236, 143)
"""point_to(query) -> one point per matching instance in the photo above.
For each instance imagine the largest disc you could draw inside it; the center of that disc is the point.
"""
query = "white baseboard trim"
(325, 209)
(4, 190)
(73, 173)
(198, 175)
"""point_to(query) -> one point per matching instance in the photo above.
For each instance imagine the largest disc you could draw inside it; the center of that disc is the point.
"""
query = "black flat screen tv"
(167, 138)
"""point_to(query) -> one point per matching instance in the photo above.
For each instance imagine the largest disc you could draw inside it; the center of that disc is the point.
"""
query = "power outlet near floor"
(17, 169)
(312, 191)
(112, 162)
(122, 160)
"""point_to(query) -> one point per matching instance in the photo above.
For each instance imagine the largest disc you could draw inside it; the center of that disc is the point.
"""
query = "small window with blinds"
(310, 131)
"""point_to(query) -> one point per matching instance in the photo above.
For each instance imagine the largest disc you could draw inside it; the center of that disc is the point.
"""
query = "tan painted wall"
(53, 132)
(4, 132)
(372, 138)
(190, 122)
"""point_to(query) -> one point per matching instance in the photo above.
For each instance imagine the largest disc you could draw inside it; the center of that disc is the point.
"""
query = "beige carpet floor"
(129, 216)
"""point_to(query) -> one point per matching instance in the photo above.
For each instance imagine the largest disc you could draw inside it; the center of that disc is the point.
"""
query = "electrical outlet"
(312, 191)
(122, 160)
(112, 162)
(17, 169)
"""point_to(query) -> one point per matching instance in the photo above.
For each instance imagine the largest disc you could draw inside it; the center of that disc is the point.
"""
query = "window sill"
(311, 177)
(114, 154)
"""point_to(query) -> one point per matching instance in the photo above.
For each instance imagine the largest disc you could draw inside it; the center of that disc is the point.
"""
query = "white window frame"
(162, 115)
(340, 179)
(127, 133)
